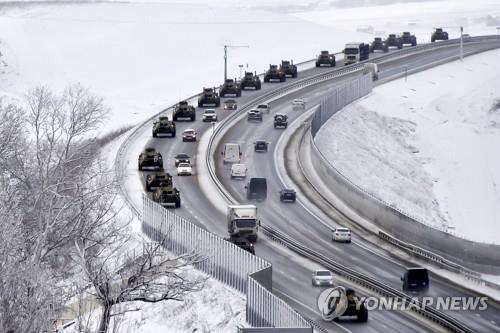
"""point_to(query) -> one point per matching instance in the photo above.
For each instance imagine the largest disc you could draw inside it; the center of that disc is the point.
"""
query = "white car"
(184, 169)
(322, 278)
(238, 170)
(189, 134)
(341, 234)
(264, 108)
(210, 115)
(298, 104)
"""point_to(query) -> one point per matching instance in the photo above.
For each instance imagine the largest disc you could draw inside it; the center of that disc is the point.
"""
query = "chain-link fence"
(224, 261)
(340, 97)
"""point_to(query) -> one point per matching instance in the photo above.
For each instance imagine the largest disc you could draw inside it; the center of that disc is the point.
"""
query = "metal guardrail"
(235, 267)
(430, 313)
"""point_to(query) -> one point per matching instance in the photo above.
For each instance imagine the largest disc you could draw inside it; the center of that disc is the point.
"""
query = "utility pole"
(461, 43)
(241, 70)
(225, 56)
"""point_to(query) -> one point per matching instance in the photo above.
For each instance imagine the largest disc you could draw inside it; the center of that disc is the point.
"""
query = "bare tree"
(147, 275)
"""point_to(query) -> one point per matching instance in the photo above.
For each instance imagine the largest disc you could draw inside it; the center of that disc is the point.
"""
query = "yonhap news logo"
(333, 303)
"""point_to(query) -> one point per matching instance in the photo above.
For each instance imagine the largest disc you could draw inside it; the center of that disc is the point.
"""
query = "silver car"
(322, 278)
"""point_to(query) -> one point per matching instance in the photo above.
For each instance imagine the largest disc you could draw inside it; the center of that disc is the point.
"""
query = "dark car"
(355, 307)
(256, 189)
(415, 279)
(261, 146)
(182, 158)
(243, 243)
(230, 104)
(288, 195)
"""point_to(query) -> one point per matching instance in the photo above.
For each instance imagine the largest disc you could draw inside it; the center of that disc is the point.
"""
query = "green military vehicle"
(167, 196)
(184, 111)
(163, 126)
(157, 180)
(251, 81)
(150, 158)
(230, 87)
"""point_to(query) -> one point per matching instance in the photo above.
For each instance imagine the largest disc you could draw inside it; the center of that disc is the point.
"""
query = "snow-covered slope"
(429, 146)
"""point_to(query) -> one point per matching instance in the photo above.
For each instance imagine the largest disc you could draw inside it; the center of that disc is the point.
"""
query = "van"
(231, 153)
(257, 189)
(415, 279)
(238, 170)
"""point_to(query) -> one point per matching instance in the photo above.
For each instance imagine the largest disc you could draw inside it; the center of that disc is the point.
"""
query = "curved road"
(291, 278)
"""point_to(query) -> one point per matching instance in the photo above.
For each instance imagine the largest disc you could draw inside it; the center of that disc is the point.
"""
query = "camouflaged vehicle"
(163, 126)
(280, 120)
(378, 45)
(150, 158)
(167, 196)
(275, 74)
(251, 81)
(439, 34)
(393, 40)
(288, 68)
(325, 59)
(184, 111)
(230, 87)
(209, 97)
(157, 180)
(407, 38)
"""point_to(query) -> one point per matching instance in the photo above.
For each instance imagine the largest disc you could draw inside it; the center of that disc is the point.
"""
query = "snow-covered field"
(429, 146)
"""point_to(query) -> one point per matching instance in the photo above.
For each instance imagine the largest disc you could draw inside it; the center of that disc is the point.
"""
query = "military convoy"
(251, 81)
(157, 180)
(184, 111)
(230, 87)
(288, 68)
(163, 126)
(150, 158)
(378, 45)
(209, 97)
(280, 120)
(167, 196)
(326, 59)
(408, 39)
(274, 74)
(439, 34)
(393, 41)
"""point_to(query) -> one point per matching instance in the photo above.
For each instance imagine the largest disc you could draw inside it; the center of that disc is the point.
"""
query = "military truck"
(167, 196)
(150, 158)
(242, 242)
(157, 180)
(280, 120)
(288, 68)
(378, 45)
(163, 126)
(355, 307)
(274, 74)
(326, 59)
(230, 87)
(439, 34)
(209, 97)
(242, 222)
(251, 81)
(406, 38)
(184, 111)
(393, 41)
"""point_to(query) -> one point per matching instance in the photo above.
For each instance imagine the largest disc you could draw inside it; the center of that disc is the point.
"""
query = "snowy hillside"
(431, 145)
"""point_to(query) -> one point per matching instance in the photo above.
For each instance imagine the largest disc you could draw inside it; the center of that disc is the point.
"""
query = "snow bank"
(428, 146)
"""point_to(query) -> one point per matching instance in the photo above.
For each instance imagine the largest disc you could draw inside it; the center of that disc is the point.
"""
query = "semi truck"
(242, 222)
(356, 52)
